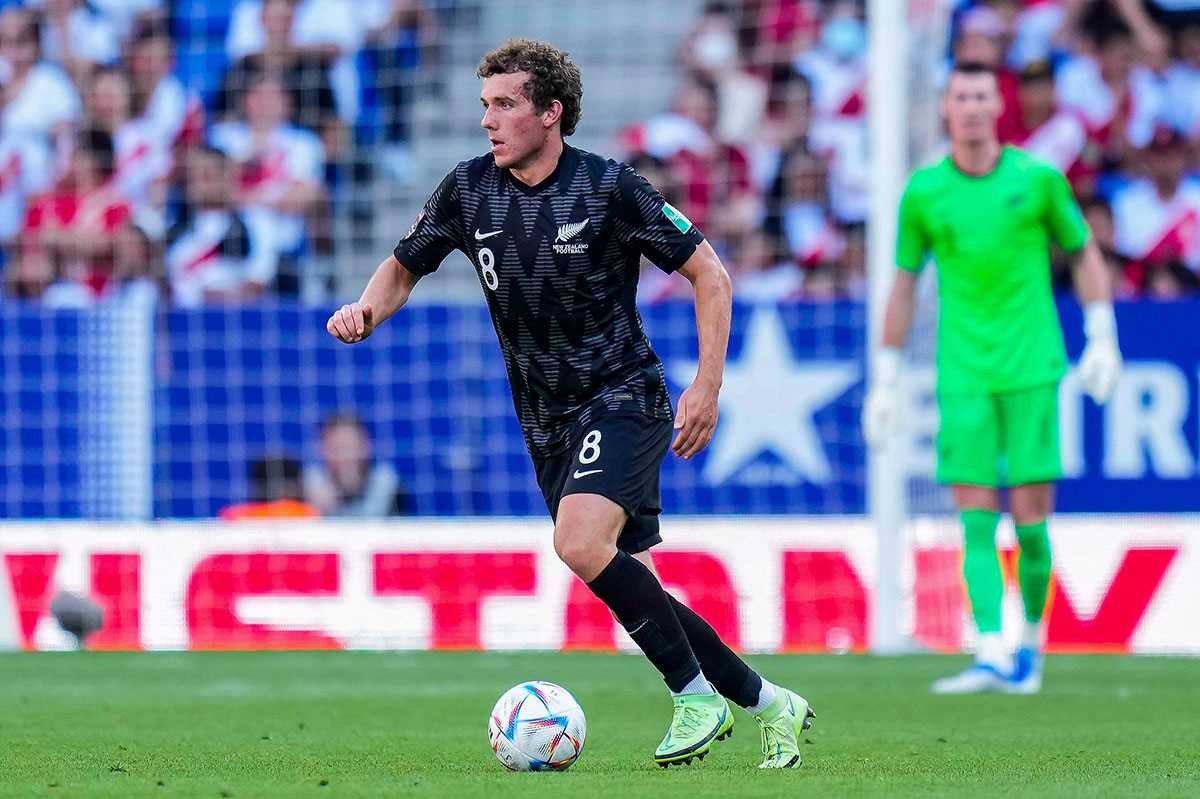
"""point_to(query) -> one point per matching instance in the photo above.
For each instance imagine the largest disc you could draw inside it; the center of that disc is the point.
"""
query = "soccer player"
(556, 235)
(988, 214)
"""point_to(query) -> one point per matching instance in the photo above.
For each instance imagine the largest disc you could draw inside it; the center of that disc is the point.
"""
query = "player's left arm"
(658, 230)
(1100, 364)
(696, 416)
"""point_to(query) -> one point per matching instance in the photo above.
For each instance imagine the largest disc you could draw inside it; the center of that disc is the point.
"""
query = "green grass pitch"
(386, 724)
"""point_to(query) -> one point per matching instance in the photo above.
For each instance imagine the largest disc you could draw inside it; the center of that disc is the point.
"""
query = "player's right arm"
(386, 293)
(880, 408)
(438, 229)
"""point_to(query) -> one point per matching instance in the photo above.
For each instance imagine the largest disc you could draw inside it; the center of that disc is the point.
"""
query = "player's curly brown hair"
(552, 76)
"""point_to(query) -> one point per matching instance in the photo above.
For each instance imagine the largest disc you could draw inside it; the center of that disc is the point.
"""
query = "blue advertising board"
(234, 385)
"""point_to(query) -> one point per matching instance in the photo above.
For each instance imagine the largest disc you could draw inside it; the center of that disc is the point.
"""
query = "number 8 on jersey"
(487, 268)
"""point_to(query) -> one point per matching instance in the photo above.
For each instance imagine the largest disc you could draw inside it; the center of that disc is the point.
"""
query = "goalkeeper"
(987, 214)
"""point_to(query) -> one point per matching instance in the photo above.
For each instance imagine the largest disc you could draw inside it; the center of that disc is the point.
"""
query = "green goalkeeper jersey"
(990, 238)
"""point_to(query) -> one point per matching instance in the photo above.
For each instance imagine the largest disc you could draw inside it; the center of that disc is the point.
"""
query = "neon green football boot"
(781, 724)
(699, 720)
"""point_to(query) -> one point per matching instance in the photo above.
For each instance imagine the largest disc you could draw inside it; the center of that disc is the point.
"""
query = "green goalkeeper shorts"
(1004, 439)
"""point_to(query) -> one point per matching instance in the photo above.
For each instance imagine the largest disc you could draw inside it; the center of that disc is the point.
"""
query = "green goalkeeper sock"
(981, 568)
(1033, 568)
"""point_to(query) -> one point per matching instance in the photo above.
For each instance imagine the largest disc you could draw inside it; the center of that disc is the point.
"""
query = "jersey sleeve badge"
(677, 218)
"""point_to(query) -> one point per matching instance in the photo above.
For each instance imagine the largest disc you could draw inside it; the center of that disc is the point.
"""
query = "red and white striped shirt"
(1157, 231)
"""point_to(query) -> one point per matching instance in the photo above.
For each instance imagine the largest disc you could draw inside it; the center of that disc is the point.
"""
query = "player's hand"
(880, 415)
(1099, 368)
(695, 419)
(1100, 364)
(351, 323)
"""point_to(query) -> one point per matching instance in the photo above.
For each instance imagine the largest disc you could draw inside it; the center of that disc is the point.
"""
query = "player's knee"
(969, 497)
(579, 549)
(1031, 504)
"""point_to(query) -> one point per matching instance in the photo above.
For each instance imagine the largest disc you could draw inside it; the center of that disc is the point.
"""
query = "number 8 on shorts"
(590, 451)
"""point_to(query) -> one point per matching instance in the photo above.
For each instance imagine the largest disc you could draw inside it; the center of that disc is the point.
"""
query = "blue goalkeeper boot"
(979, 678)
(1026, 677)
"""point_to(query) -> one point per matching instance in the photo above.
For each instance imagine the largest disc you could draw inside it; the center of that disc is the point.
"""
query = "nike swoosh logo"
(579, 474)
(481, 236)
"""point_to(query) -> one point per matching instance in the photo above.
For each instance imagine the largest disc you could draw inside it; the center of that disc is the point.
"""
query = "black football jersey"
(558, 263)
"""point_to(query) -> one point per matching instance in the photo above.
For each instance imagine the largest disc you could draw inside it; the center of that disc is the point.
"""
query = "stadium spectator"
(1041, 127)
(347, 482)
(303, 74)
(714, 176)
(327, 29)
(1157, 218)
(800, 215)
(713, 51)
(785, 125)
(160, 99)
(143, 159)
(215, 252)
(1183, 82)
(124, 15)
(281, 170)
(1119, 99)
(38, 98)
(837, 66)
(1170, 281)
(77, 37)
(401, 35)
(81, 235)
(25, 171)
(836, 69)
(1099, 218)
(762, 273)
(780, 29)
(1139, 16)
(275, 492)
(1034, 30)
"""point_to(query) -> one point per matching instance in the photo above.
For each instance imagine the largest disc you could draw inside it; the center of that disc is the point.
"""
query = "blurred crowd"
(198, 150)
(764, 145)
(130, 167)
(348, 482)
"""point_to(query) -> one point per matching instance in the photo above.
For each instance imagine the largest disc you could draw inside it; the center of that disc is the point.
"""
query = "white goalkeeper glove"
(1100, 364)
(881, 407)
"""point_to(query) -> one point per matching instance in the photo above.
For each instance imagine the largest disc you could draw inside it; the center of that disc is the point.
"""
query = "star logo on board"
(768, 401)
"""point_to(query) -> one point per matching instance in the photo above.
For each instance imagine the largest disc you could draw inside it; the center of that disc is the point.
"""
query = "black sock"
(643, 608)
(730, 675)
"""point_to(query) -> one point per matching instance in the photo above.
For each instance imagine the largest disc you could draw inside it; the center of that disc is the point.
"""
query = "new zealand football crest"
(566, 233)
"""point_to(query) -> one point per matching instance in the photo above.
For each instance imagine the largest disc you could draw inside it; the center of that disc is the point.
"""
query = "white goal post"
(906, 46)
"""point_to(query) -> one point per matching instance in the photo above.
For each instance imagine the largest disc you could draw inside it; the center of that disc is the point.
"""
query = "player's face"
(971, 106)
(514, 126)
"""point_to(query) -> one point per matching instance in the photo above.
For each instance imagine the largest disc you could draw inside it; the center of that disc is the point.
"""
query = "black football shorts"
(617, 456)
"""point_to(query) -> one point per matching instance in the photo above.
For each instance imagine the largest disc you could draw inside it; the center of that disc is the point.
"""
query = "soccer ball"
(537, 726)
